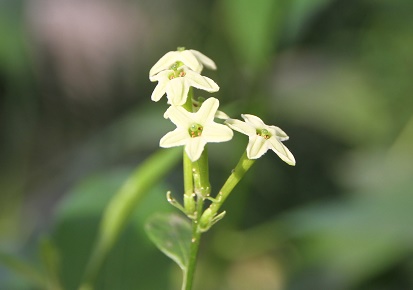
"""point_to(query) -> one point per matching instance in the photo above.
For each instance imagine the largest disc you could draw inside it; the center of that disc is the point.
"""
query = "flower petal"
(257, 146)
(190, 60)
(162, 76)
(177, 91)
(217, 133)
(201, 82)
(206, 61)
(180, 117)
(207, 111)
(178, 137)
(194, 148)
(164, 62)
(159, 91)
(241, 127)
(254, 121)
(280, 134)
(281, 150)
(221, 115)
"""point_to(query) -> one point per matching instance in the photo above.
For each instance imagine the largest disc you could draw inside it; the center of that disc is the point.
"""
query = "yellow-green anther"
(264, 133)
(195, 130)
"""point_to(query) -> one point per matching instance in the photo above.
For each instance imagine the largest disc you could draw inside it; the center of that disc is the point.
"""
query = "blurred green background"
(76, 119)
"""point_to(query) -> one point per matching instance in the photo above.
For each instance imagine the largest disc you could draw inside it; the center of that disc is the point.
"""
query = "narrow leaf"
(171, 233)
(50, 258)
(122, 205)
(26, 270)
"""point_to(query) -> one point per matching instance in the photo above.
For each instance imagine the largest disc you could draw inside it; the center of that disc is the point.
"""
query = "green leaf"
(124, 202)
(171, 233)
(253, 28)
(24, 269)
(50, 258)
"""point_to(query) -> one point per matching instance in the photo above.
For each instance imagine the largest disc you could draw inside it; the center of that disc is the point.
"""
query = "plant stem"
(189, 197)
(201, 186)
(193, 253)
(242, 167)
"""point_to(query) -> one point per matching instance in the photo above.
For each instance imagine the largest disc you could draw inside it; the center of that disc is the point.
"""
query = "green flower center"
(263, 133)
(195, 130)
(176, 71)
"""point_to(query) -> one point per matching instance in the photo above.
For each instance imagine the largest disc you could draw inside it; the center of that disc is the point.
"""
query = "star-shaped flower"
(194, 130)
(193, 59)
(175, 82)
(262, 137)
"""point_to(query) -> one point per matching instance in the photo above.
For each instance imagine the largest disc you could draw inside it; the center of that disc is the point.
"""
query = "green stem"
(189, 196)
(200, 171)
(188, 104)
(242, 167)
(193, 253)
(200, 177)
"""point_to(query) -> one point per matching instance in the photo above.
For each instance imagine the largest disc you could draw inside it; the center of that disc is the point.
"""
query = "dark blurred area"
(76, 118)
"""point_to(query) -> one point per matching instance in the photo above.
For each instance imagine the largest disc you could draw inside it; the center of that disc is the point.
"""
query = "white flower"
(176, 82)
(194, 130)
(262, 137)
(193, 59)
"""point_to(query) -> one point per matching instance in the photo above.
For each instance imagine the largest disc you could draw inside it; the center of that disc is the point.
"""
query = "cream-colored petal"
(207, 111)
(241, 127)
(159, 91)
(162, 76)
(178, 137)
(194, 148)
(254, 121)
(164, 62)
(281, 150)
(180, 117)
(201, 82)
(257, 146)
(190, 60)
(206, 61)
(177, 91)
(214, 132)
(280, 134)
(221, 115)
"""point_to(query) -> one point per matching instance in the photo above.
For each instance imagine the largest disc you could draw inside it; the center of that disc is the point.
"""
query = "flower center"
(176, 71)
(195, 130)
(263, 133)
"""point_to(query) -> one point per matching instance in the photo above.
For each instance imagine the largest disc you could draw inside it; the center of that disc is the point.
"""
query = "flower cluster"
(176, 72)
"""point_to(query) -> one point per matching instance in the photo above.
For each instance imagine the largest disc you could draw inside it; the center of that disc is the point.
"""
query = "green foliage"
(121, 206)
(80, 215)
(253, 27)
(23, 269)
(171, 233)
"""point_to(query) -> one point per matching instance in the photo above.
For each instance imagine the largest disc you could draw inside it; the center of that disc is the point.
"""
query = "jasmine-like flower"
(193, 59)
(194, 130)
(176, 81)
(262, 137)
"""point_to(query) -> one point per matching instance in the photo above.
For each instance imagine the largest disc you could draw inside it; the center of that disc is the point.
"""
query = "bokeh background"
(76, 119)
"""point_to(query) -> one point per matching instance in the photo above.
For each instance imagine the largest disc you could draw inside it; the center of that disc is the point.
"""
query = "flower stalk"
(244, 164)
